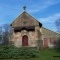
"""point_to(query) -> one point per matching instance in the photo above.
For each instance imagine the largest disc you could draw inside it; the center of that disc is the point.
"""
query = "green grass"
(28, 53)
(47, 54)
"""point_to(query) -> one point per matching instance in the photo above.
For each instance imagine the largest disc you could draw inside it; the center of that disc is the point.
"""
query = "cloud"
(41, 5)
(10, 9)
(33, 6)
(49, 22)
(50, 18)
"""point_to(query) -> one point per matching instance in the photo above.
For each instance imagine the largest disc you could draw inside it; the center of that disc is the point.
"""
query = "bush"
(57, 44)
(39, 44)
(17, 53)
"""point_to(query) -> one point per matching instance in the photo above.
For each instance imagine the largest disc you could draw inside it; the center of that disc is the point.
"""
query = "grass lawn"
(44, 54)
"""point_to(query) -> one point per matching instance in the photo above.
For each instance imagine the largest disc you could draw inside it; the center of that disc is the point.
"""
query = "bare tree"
(57, 42)
(57, 23)
(1, 35)
(6, 33)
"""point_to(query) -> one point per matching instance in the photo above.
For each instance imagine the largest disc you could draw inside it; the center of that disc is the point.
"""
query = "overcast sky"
(46, 11)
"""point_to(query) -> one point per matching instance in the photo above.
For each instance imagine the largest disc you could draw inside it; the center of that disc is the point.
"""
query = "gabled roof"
(50, 31)
(24, 20)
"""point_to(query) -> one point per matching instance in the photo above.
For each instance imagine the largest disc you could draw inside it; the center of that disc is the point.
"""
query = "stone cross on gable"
(24, 8)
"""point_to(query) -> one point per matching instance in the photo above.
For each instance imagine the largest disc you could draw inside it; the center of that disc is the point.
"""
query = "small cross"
(24, 8)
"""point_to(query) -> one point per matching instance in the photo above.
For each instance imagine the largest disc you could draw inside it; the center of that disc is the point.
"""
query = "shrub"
(39, 44)
(57, 43)
(17, 53)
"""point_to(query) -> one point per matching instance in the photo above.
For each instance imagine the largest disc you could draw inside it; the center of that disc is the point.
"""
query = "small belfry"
(24, 7)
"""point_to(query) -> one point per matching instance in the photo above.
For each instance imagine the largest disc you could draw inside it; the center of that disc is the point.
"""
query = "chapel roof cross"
(24, 8)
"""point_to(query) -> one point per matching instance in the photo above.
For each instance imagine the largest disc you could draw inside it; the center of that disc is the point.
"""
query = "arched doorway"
(25, 40)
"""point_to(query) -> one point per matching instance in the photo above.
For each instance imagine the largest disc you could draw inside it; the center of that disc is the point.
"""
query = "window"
(52, 40)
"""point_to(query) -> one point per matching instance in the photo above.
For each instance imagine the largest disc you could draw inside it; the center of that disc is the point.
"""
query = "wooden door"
(45, 42)
(25, 40)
